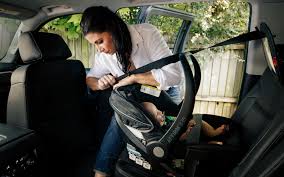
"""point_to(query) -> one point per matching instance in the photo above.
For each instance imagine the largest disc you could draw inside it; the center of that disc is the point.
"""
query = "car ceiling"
(24, 9)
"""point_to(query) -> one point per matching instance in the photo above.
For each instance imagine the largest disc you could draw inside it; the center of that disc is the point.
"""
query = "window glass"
(222, 68)
(168, 26)
(215, 21)
(129, 15)
(8, 28)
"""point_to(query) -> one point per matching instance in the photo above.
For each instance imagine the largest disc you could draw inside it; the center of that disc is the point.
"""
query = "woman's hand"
(126, 81)
(106, 81)
(141, 78)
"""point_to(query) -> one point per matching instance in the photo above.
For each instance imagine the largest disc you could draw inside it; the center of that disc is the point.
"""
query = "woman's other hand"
(106, 81)
(141, 78)
(126, 81)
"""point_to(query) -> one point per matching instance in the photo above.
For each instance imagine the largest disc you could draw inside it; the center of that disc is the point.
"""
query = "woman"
(123, 48)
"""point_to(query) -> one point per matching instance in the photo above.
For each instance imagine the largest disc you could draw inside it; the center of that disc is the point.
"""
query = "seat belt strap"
(153, 65)
(253, 35)
(250, 36)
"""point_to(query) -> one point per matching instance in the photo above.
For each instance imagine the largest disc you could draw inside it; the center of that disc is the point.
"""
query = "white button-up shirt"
(148, 46)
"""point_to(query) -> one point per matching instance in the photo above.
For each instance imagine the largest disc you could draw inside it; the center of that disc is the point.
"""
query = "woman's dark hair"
(101, 19)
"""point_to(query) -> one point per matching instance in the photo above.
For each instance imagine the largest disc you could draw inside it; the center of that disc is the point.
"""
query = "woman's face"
(102, 41)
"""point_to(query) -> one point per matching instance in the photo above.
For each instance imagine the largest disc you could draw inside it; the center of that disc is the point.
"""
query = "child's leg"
(97, 174)
(190, 124)
(208, 130)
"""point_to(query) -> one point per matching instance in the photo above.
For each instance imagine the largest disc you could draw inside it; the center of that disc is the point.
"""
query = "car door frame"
(148, 11)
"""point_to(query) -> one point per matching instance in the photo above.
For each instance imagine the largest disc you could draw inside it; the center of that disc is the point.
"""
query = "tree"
(216, 21)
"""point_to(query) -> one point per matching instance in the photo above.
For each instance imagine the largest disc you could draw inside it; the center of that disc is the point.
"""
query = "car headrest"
(34, 46)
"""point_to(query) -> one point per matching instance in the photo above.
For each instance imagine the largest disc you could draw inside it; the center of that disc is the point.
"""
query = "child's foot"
(218, 131)
(215, 142)
(190, 125)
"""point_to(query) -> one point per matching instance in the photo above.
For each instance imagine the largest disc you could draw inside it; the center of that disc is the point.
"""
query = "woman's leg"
(111, 147)
(174, 93)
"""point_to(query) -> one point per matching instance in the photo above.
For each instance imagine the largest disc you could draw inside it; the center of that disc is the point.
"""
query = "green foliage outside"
(67, 25)
(129, 15)
(214, 21)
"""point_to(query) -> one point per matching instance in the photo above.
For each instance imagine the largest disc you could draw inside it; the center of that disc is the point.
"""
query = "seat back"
(257, 111)
(259, 122)
(6, 70)
(47, 95)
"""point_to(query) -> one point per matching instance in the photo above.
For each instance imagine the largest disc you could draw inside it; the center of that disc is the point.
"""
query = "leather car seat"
(47, 95)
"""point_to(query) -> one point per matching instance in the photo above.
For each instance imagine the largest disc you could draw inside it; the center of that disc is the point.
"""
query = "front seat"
(252, 146)
(254, 129)
(47, 95)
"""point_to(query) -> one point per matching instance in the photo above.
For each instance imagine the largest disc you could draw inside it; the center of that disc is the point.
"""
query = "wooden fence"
(221, 78)
(81, 50)
(222, 74)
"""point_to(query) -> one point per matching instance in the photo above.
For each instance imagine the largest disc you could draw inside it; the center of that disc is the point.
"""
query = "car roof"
(24, 9)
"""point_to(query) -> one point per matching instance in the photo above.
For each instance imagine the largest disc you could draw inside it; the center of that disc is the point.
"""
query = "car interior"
(49, 117)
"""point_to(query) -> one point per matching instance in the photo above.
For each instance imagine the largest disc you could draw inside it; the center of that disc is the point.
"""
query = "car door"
(178, 24)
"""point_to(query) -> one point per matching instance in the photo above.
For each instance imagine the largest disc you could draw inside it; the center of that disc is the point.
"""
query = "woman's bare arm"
(142, 78)
(100, 84)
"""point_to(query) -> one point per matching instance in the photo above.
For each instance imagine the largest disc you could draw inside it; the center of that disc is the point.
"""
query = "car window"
(222, 68)
(68, 27)
(130, 15)
(8, 28)
(167, 25)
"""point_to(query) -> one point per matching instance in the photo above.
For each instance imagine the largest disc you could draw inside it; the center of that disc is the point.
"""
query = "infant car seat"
(148, 143)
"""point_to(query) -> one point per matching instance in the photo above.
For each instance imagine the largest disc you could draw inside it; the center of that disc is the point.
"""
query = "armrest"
(210, 159)
(15, 142)
(212, 151)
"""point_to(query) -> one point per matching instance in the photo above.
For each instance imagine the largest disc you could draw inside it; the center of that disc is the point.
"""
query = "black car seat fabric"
(6, 70)
(267, 154)
(47, 95)
(270, 124)
(280, 54)
(261, 104)
(250, 127)
(147, 142)
(255, 126)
